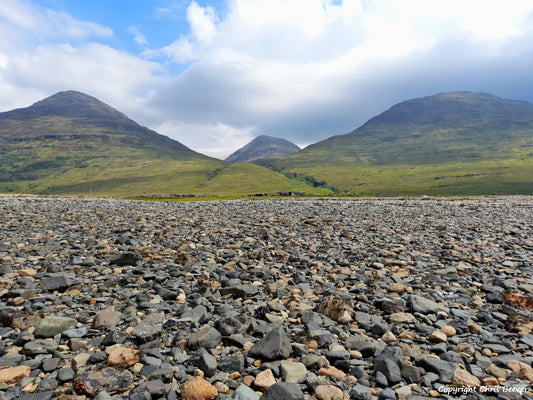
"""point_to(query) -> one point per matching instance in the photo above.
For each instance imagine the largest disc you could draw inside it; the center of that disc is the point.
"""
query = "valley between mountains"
(458, 143)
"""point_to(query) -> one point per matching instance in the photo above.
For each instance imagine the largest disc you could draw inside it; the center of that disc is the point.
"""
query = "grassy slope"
(457, 143)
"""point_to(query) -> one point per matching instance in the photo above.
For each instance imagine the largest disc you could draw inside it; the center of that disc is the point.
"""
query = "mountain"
(72, 143)
(263, 147)
(448, 143)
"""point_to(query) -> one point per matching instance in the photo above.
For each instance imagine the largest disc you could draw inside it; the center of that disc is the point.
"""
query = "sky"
(214, 74)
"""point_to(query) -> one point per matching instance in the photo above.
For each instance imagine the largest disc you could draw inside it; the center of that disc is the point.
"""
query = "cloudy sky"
(214, 74)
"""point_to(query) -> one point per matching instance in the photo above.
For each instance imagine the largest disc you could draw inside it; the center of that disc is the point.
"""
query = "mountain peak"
(262, 147)
(74, 104)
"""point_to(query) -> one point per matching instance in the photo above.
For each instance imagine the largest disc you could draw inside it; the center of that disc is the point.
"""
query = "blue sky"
(156, 21)
(215, 74)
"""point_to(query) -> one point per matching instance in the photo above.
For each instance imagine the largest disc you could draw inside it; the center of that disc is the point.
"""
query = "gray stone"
(366, 345)
(527, 340)
(39, 346)
(425, 306)
(244, 392)
(57, 281)
(65, 375)
(76, 332)
(51, 326)
(360, 392)
(48, 395)
(107, 319)
(103, 396)
(292, 371)
(149, 329)
(127, 258)
(411, 373)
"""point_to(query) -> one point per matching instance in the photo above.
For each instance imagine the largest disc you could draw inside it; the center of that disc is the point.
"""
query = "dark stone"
(387, 394)
(274, 346)
(445, 369)
(207, 363)
(232, 364)
(240, 291)
(114, 337)
(50, 364)
(125, 259)
(164, 374)
(390, 369)
(97, 357)
(206, 338)
(65, 375)
(411, 373)
(283, 390)
(155, 388)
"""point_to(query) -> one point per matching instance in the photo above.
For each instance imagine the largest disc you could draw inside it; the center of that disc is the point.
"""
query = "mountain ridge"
(446, 144)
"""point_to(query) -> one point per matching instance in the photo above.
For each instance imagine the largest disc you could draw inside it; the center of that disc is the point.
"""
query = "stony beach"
(326, 299)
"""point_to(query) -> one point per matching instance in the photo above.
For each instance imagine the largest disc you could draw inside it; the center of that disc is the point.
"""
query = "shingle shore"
(271, 299)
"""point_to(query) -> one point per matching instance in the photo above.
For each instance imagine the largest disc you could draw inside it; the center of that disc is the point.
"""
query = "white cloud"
(215, 140)
(33, 22)
(203, 23)
(138, 36)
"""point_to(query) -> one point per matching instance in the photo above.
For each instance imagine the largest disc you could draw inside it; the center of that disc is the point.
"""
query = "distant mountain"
(72, 143)
(263, 147)
(449, 143)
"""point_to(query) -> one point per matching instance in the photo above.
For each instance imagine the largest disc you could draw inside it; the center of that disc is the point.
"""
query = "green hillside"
(72, 143)
(452, 143)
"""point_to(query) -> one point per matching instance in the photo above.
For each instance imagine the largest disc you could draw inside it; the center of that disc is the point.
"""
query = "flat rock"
(13, 375)
(107, 379)
(424, 305)
(51, 326)
(123, 357)
(107, 319)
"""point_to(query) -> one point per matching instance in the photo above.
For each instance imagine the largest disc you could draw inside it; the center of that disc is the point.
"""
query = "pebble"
(265, 379)
(366, 298)
(328, 392)
(198, 389)
(13, 375)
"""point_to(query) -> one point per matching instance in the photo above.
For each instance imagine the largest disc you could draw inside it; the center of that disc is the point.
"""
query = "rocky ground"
(271, 299)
